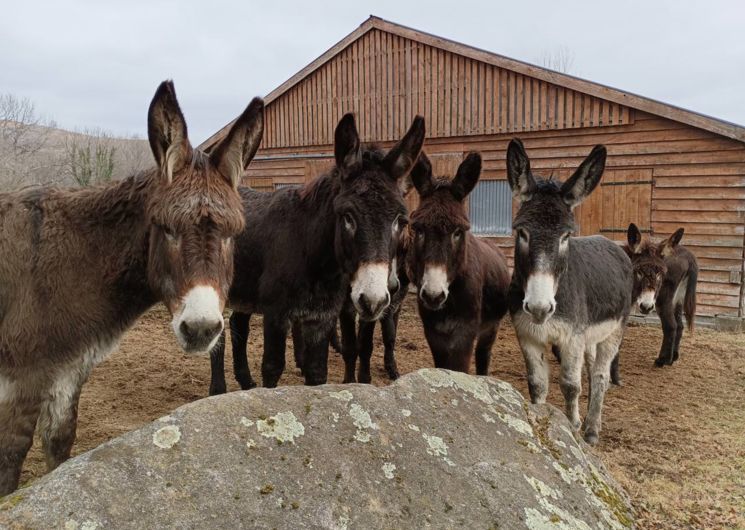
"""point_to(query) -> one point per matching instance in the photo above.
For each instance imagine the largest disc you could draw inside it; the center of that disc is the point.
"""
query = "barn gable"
(667, 167)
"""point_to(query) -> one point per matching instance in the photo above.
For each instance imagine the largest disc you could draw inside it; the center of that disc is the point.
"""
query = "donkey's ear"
(402, 157)
(518, 171)
(405, 185)
(667, 246)
(347, 143)
(467, 176)
(421, 176)
(634, 238)
(166, 130)
(235, 152)
(586, 178)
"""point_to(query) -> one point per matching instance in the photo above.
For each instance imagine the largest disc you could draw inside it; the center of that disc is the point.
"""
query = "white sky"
(89, 64)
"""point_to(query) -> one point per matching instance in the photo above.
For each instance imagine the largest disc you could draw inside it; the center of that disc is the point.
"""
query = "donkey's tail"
(689, 302)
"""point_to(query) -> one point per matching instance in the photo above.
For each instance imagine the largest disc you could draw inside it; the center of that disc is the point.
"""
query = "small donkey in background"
(665, 277)
(572, 292)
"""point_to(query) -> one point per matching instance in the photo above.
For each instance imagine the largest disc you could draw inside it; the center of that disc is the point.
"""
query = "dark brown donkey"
(305, 250)
(357, 337)
(461, 280)
(79, 266)
(665, 276)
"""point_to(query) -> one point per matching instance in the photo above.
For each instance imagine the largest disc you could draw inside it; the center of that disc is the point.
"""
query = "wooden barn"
(667, 167)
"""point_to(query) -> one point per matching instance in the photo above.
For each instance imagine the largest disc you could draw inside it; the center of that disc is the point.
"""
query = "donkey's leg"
(347, 323)
(483, 348)
(217, 367)
(365, 337)
(334, 340)
(570, 380)
(537, 368)
(678, 332)
(239, 328)
(18, 416)
(273, 362)
(316, 340)
(669, 332)
(600, 374)
(389, 328)
(298, 346)
(58, 420)
(615, 370)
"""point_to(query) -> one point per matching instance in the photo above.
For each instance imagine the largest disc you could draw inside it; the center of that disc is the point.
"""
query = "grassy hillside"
(33, 154)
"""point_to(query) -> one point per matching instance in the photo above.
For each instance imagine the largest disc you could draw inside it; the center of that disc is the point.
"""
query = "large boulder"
(437, 448)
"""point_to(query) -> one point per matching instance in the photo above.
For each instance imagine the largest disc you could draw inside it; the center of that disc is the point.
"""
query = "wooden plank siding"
(393, 79)
(673, 175)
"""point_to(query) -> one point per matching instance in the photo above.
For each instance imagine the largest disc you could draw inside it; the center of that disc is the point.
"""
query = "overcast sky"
(89, 64)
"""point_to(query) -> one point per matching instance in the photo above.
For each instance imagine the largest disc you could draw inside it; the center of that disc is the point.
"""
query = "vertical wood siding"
(386, 80)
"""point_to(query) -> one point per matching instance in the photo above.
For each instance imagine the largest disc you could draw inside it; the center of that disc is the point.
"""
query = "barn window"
(285, 185)
(490, 208)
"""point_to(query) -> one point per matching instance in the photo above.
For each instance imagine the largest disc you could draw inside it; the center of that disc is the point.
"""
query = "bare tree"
(561, 60)
(23, 136)
(89, 157)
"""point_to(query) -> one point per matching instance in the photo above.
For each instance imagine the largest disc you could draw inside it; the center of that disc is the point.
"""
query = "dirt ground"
(673, 437)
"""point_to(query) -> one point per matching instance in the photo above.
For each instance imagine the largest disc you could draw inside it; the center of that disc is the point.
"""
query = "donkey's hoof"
(659, 363)
(247, 385)
(216, 390)
(364, 378)
(392, 373)
(617, 382)
(591, 438)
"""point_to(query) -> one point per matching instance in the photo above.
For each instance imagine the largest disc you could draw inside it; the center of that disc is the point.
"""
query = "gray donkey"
(573, 292)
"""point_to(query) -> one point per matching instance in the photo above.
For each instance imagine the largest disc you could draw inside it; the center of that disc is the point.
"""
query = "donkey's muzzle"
(539, 312)
(646, 308)
(198, 335)
(371, 308)
(433, 301)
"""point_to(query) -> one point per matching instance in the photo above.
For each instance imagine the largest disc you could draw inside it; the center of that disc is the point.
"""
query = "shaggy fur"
(303, 248)
(470, 310)
(79, 266)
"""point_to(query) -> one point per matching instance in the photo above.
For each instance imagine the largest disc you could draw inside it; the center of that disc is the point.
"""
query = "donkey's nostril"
(184, 329)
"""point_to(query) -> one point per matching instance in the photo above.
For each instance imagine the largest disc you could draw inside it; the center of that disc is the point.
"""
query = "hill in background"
(34, 151)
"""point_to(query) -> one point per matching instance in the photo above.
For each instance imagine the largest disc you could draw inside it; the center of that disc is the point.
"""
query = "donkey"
(665, 277)
(461, 280)
(305, 250)
(572, 292)
(80, 266)
(357, 338)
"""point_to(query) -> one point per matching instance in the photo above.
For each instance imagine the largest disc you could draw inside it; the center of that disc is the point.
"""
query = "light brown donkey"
(79, 266)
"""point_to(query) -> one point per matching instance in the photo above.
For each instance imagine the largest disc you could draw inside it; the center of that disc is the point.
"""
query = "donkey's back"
(598, 284)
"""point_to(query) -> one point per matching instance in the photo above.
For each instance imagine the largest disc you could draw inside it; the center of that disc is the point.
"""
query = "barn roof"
(688, 117)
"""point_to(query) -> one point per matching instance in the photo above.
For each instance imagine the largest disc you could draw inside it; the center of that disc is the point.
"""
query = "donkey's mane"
(328, 183)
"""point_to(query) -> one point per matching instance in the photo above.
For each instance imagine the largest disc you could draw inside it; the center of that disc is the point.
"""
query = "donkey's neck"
(319, 230)
(112, 223)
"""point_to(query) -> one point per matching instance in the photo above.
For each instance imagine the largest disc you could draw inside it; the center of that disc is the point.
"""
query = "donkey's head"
(544, 224)
(648, 261)
(194, 210)
(440, 224)
(370, 212)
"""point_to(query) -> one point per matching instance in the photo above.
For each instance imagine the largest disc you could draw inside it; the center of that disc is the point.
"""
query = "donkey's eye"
(169, 233)
(349, 223)
(457, 235)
